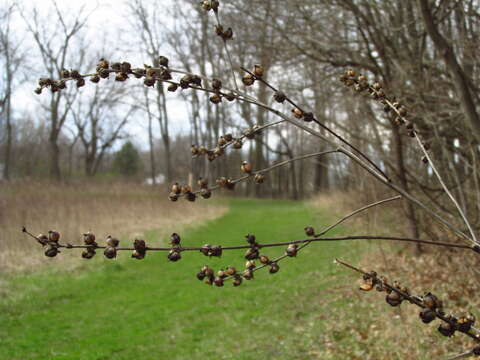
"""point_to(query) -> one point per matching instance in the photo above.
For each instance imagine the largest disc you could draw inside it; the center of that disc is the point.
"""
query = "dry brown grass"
(119, 209)
(376, 330)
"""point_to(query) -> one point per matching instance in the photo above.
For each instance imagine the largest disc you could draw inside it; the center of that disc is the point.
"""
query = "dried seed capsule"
(42, 239)
(112, 242)
(237, 144)
(186, 189)
(237, 281)
(222, 141)
(74, 74)
(104, 73)
(250, 265)
(65, 73)
(216, 251)
(163, 61)
(190, 196)
(140, 245)
(259, 178)
(350, 73)
(110, 252)
(216, 84)
(218, 281)
(80, 82)
(394, 298)
(196, 80)
(291, 250)
(430, 301)
(264, 259)
(248, 274)
(172, 87)
(195, 150)
(207, 270)
(230, 185)
(63, 85)
(246, 167)
(377, 86)
(230, 96)
(89, 238)
(214, 4)
(427, 315)
(209, 280)
(251, 239)
(125, 67)
(228, 137)
(258, 70)
(279, 97)
(308, 117)
(309, 231)
(248, 79)
(121, 76)
(222, 182)
(403, 111)
(216, 99)
(206, 193)
(367, 284)
(102, 64)
(88, 253)
(218, 151)
(201, 275)
(176, 188)
(175, 239)
(252, 253)
(274, 268)
(227, 35)
(205, 250)
(138, 255)
(185, 81)
(51, 251)
(446, 329)
(38, 91)
(231, 271)
(297, 113)
(173, 197)
(53, 236)
(464, 324)
(206, 5)
(174, 255)
(221, 274)
(149, 81)
(211, 156)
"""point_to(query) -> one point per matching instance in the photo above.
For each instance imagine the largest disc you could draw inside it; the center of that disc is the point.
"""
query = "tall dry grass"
(120, 209)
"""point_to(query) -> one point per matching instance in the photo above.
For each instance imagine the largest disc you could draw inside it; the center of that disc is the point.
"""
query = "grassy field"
(154, 309)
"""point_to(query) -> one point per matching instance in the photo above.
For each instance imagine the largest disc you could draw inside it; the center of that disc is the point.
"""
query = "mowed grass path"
(154, 309)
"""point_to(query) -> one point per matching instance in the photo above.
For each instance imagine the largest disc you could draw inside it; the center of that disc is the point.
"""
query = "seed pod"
(80, 82)
(190, 196)
(211, 156)
(140, 245)
(95, 79)
(252, 253)
(206, 5)
(222, 182)
(218, 151)
(308, 117)
(222, 141)
(446, 329)
(88, 253)
(258, 70)
(377, 86)
(221, 274)
(65, 74)
(51, 251)
(74, 74)
(175, 239)
(274, 268)
(218, 30)
(102, 64)
(89, 239)
(227, 35)
(125, 67)
(172, 87)
(230, 96)
(110, 252)
(209, 280)
(176, 188)
(250, 265)
(104, 73)
(230, 185)
(251, 239)
(237, 281)
(112, 242)
(214, 4)
(216, 251)
(173, 197)
(42, 239)
(350, 73)
(427, 315)
(163, 61)
(259, 178)
(309, 231)
(464, 324)
(216, 84)
(231, 271)
(394, 299)
(246, 167)
(228, 137)
(174, 255)
(218, 281)
(430, 301)
(216, 99)
(38, 91)
(206, 193)
(248, 79)
(207, 270)
(121, 76)
(367, 284)
(185, 81)
(201, 275)
(205, 250)
(403, 111)
(291, 250)
(248, 274)
(237, 144)
(297, 113)
(53, 236)
(196, 80)
(279, 97)
(149, 81)
(264, 259)
(195, 150)
(186, 189)
(138, 255)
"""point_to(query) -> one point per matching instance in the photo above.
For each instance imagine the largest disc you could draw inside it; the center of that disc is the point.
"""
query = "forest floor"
(155, 309)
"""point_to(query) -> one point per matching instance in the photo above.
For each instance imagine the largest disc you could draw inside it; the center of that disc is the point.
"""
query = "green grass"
(153, 309)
